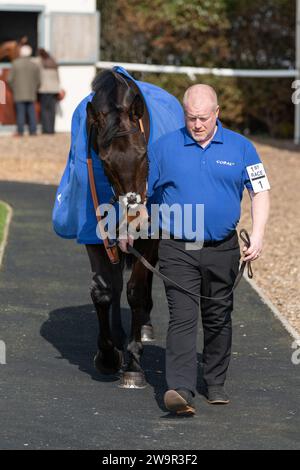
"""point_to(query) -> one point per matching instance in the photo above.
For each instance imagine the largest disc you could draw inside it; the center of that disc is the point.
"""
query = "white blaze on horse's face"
(133, 209)
(131, 200)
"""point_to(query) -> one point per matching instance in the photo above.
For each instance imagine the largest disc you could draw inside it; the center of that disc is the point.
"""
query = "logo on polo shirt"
(224, 162)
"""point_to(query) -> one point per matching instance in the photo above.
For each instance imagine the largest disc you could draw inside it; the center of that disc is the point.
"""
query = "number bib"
(258, 177)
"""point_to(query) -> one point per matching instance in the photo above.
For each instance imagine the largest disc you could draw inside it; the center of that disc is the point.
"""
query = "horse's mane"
(112, 96)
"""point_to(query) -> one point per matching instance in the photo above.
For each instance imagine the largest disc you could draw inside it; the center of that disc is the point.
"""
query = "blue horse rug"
(73, 214)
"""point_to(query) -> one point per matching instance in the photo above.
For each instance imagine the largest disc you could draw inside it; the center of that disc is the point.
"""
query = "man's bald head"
(201, 110)
(200, 95)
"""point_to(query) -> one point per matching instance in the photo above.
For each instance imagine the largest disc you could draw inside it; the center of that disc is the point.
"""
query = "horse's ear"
(137, 108)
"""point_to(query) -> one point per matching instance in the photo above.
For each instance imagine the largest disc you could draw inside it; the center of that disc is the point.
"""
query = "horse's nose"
(132, 199)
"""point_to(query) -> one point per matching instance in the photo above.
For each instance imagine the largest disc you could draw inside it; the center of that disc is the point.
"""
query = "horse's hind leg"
(104, 291)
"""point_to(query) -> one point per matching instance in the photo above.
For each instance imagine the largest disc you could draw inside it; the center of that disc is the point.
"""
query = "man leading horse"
(197, 163)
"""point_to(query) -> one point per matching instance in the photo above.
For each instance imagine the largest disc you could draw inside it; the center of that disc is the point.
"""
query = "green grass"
(3, 217)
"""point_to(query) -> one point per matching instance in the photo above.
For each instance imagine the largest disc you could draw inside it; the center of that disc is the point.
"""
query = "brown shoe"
(180, 402)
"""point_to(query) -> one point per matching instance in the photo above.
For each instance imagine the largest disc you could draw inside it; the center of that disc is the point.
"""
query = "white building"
(69, 30)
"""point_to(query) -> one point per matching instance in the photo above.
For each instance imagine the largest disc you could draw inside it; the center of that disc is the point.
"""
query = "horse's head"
(114, 119)
(10, 50)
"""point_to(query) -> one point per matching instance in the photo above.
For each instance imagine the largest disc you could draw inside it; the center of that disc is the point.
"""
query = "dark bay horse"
(115, 119)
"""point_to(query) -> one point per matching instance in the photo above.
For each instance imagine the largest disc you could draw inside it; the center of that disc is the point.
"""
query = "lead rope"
(244, 235)
(111, 249)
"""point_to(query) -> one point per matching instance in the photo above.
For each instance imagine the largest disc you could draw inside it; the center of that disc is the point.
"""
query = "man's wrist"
(258, 232)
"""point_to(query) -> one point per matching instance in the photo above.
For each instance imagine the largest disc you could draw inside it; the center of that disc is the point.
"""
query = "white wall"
(74, 6)
(76, 81)
(66, 6)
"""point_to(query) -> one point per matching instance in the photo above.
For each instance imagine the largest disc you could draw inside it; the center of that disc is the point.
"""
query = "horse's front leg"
(108, 359)
(151, 254)
(133, 375)
(105, 290)
(140, 301)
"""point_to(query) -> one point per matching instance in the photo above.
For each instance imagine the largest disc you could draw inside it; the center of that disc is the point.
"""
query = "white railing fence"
(193, 71)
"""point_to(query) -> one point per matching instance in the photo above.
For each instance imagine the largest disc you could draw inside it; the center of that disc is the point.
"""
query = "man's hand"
(260, 210)
(255, 249)
(124, 242)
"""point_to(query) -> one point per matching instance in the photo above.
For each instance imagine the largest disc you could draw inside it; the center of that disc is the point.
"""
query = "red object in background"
(7, 110)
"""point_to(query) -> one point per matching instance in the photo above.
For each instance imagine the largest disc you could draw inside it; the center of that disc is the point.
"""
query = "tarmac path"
(51, 396)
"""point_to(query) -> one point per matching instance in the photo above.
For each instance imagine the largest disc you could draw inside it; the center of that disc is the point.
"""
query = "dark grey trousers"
(210, 271)
(26, 109)
(48, 108)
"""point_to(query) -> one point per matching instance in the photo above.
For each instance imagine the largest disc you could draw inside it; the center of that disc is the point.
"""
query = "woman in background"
(48, 91)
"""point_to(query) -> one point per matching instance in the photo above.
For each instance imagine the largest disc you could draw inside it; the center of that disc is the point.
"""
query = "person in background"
(48, 91)
(24, 80)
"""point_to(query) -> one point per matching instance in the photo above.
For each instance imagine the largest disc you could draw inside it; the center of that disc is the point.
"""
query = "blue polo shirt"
(182, 172)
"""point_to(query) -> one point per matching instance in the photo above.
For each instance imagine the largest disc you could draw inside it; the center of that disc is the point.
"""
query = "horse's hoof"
(108, 362)
(147, 333)
(132, 380)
